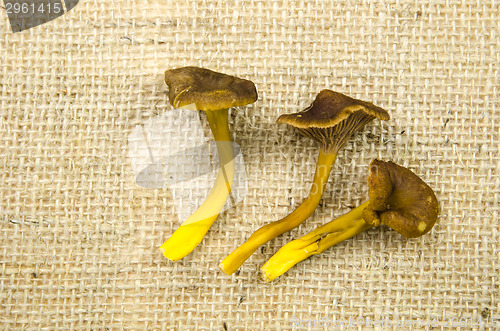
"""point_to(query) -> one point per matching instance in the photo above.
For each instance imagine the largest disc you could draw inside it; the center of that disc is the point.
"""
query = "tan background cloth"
(79, 239)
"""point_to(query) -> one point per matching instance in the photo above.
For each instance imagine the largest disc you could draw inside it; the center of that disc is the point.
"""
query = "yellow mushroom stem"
(270, 231)
(315, 242)
(191, 232)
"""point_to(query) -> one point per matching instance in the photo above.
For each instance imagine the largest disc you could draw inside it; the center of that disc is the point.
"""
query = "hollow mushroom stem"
(270, 231)
(218, 121)
(191, 232)
(315, 242)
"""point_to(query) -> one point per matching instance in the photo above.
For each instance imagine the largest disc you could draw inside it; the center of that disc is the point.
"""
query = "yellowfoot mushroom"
(212, 92)
(330, 120)
(398, 199)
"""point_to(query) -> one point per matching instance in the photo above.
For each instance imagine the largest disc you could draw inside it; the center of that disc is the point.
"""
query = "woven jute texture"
(79, 237)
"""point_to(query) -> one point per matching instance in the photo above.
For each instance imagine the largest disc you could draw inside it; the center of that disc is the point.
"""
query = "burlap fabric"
(79, 237)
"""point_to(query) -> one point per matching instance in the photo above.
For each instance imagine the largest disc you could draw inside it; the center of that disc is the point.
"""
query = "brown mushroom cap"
(333, 117)
(207, 89)
(329, 109)
(400, 200)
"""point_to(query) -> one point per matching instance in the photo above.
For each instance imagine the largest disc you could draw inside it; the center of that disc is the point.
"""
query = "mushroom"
(397, 198)
(214, 93)
(330, 120)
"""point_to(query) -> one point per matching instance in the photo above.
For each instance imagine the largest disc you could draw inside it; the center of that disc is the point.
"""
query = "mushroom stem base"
(315, 242)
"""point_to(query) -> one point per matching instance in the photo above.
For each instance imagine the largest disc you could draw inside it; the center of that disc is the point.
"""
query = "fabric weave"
(79, 238)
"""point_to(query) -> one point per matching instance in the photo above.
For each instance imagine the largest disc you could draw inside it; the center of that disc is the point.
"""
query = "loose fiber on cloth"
(79, 237)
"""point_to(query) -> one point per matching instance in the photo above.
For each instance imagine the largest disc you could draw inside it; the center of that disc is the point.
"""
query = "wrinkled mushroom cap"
(207, 89)
(329, 109)
(332, 118)
(400, 200)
